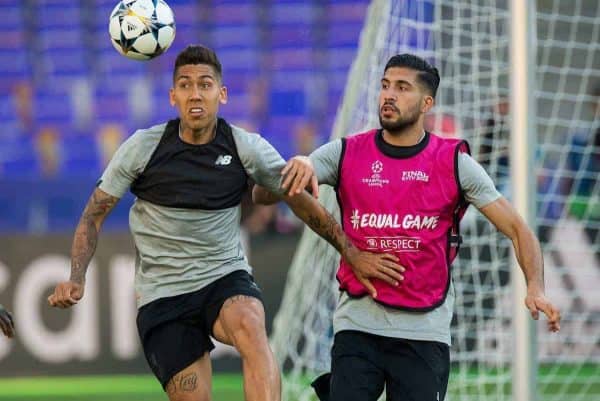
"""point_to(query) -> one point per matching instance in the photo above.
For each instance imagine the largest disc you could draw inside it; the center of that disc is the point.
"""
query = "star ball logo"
(375, 180)
(377, 167)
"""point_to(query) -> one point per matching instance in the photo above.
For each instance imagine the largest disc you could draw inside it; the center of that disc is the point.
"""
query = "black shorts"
(175, 331)
(362, 364)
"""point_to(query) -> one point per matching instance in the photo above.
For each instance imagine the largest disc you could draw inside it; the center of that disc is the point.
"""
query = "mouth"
(196, 111)
(388, 110)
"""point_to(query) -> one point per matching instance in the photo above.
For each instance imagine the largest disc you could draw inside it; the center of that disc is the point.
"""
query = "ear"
(172, 96)
(223, 95)
(428, 103)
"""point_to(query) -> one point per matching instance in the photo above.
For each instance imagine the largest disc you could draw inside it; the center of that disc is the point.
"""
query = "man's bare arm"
(366, 265)
(99, 205)
(529, 255)
(86, 235)
(262, 196)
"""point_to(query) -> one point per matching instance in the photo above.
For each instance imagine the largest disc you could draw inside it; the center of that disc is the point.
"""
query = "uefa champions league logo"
(375, 180)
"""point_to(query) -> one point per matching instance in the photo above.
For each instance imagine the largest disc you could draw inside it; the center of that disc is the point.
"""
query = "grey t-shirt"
(364, 314)
(181, 250)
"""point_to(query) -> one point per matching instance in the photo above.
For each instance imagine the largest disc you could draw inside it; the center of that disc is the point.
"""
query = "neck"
(408, 136)
(199, 136)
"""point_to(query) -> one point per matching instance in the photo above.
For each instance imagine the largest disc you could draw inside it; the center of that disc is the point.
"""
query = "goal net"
(468, 40)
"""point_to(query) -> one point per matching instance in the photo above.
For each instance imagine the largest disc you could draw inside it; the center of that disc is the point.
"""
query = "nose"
(389, 99)
(195, 92)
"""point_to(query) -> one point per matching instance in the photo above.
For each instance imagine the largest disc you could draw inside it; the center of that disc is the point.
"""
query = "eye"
(206, 85)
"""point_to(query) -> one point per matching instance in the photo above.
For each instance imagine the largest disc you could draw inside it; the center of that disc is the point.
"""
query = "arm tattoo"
(330, 230)
(86, 234)
(320, 221)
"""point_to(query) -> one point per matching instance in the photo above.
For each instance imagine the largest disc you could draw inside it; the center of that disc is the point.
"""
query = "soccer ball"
(141, 29)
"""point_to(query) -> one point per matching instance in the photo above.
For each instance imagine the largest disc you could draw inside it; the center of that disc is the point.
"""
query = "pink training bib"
(409, 206)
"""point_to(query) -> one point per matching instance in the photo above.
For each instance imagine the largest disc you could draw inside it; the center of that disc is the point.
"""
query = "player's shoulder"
(147, 135)
(155, 131)
(362, 134)
(245, 139)
(457, 144)
(243, 133)
(144, 140)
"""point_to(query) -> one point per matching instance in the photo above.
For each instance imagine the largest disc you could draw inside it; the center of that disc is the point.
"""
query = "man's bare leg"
(192, 383)
(241, 323)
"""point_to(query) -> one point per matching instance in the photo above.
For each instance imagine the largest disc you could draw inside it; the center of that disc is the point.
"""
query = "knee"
(250, 331)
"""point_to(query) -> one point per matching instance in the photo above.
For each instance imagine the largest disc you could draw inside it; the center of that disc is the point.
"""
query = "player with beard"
(403, 190)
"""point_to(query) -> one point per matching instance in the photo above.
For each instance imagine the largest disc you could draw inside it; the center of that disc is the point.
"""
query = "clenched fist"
(66, 294)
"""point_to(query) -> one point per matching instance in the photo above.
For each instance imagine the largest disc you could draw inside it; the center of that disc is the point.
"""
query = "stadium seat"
(18, 157)
(80, 156)
(235, 13)
(59, 14)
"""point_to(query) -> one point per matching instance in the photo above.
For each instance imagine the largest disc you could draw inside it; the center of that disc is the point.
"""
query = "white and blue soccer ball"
(142, 29)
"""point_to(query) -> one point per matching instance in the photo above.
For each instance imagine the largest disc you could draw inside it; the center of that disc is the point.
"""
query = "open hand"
(66, 294)
(369, 265)
(298, 172)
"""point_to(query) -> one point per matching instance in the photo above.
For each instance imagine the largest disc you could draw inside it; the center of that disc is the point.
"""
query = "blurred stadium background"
(67, 100)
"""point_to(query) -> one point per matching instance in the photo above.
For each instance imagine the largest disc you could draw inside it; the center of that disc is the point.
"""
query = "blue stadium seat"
(294, 13)
(247, 60)
(292, 36)
(54, 108)
(279, 132)
(294, 59)
(12, 15)
(59, 14)
(14, 210)
(344, 34)
(186, 13)
(18, 156)
(340, 57)
(14, 62)
(80, 156)
(235, 36)
(287, 103)
(352, 11)
(110, 64)
(60, 38)
(69, 62)
(11, 38)
(236, 108)
(235, 12)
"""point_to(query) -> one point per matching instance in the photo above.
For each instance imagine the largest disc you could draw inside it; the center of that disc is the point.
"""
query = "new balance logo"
(223, 160)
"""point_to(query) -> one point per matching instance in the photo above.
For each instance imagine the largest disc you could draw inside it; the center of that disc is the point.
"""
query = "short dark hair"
(198, 54)
(428, 75)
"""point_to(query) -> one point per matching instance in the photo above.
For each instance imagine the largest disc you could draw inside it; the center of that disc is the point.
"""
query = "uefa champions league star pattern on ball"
(142, 29)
